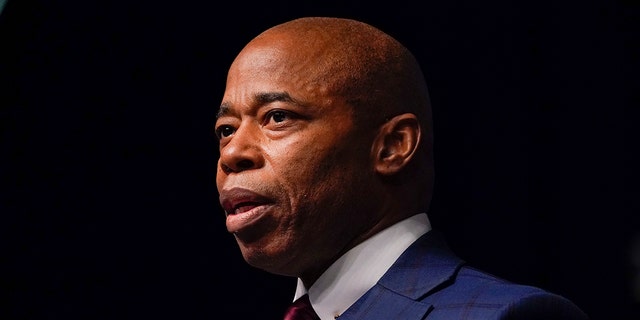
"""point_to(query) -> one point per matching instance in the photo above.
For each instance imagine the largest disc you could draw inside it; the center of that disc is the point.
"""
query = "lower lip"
(238, 221)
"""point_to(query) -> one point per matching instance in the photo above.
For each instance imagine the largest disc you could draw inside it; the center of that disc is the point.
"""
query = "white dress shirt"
(360, 268)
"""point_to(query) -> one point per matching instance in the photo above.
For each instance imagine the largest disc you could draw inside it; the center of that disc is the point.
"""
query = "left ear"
(396, 143)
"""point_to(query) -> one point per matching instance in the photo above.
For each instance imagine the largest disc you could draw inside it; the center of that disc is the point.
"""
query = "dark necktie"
(301, 310)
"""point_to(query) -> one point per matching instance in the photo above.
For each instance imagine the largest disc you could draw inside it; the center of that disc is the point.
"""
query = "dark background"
(109, 208)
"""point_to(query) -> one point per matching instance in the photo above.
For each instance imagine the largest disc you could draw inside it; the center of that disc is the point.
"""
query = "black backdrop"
(108, 160)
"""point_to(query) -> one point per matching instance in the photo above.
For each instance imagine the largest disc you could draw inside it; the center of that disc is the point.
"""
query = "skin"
(324, 141)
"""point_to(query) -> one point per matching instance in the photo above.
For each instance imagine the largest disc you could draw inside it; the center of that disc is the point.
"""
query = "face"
(292, 164)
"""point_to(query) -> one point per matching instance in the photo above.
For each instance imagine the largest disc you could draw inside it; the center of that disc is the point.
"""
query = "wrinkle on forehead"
(279, 59)
(274, 67)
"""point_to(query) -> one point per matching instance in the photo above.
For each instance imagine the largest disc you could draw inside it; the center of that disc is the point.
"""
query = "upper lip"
(233, 198)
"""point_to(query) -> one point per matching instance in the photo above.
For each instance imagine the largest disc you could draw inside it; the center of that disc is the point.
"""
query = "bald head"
(369, 69)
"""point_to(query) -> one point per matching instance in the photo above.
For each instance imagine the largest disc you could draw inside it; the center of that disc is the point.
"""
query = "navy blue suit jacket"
(428, 281)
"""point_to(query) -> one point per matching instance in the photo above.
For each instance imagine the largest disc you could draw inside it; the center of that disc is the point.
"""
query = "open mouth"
(246, 215)
(244, 207)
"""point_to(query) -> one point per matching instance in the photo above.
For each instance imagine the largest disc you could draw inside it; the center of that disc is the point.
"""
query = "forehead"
(262, 69)
(284, 57)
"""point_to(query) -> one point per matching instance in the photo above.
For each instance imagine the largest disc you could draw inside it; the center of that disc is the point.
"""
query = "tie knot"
(301, 310)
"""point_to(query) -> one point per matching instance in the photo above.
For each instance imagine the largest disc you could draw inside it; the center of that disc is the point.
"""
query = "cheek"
(219, 176)
(299, 161)
(314, 174)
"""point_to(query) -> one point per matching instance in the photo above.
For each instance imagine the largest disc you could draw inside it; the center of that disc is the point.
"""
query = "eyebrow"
(225, 109)
(261, 98)
(268, 97)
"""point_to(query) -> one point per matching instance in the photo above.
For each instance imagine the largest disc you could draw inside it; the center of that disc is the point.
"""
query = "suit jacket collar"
(425, 265)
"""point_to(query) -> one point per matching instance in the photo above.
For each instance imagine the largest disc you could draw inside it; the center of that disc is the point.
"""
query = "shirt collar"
(349, 277)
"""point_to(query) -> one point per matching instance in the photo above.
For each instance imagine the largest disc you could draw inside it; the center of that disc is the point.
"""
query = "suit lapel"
(425, 265)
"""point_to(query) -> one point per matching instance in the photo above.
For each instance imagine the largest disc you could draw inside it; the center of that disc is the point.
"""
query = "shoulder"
(474, 294)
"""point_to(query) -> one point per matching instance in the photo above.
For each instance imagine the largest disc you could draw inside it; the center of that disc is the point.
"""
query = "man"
(326, 174)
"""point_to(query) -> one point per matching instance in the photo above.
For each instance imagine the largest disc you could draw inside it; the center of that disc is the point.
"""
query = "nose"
(242, 152)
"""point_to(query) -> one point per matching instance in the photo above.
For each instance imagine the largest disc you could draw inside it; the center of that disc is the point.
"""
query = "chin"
(272, 261)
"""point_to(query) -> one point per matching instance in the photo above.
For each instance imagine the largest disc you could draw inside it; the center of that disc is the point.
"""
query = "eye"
(277, 116)
(224, 131)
